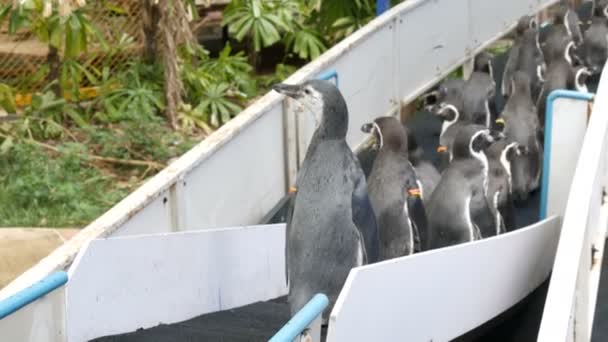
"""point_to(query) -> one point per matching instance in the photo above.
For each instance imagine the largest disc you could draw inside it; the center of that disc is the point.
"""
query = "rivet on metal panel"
(165, 200)
(594, 260)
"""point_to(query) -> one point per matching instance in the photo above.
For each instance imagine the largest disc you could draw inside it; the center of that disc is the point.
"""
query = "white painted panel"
(239, 184)
(566, 316)
(122, 284)
(567, 134)
(486, 22)
(432, 37)
(40, 321)
(153, 218)
(442, 294)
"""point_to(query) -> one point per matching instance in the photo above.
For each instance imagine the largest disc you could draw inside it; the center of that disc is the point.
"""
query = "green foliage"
(136, 94)
(39, 190)
(7, 98)
(255, 19)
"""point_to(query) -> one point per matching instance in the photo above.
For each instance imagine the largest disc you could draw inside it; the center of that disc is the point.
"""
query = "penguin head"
(559, 15)
(525, 23)
(581, 74)
(388, 132)
(448, 112)
(324, 100)
(483, 63)
(472, 140)
(601, 8)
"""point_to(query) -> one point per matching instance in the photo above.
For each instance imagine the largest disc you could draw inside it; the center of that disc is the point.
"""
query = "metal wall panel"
(569, 306)
(424, 298)
(153, 218)
(567, 134)
(239, 184)
(40, 321)
(122, 284)
(432, 39)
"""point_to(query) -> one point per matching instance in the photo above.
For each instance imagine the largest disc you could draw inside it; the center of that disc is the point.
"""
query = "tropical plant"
(255, 20)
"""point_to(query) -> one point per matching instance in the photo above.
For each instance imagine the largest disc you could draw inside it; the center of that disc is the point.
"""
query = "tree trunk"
(151, 22)
(175, 30)
(54, 62)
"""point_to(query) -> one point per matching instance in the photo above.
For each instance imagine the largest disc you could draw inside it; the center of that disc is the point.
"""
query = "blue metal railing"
(382, 6)
(328, 75)
(296, 325)
(557, 94)
(30, 294)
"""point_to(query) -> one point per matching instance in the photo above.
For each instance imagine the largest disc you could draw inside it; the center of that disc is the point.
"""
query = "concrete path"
(22, 248)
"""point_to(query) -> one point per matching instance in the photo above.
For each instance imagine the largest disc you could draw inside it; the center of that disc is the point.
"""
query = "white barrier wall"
(440, 295)
(570, 304)
(41, 321)
(569, 124)
(240, 172)
(122, 284)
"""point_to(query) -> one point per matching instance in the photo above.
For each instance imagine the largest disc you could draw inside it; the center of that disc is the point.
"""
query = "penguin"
(458, 210)
(559, 75)
(522, 126)
(581, 77)
(332, 226)
(394, 191)
(479, 92)
(451, 125)
(595, 45)
(500, 156)
(525, 55)
(448, 91)
(426, 172)
(565, 29)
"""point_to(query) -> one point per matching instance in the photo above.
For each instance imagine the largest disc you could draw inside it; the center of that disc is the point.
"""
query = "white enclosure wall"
(122, 284)
(456, 288)
(41, 321)
(570, 303)
(241, 171)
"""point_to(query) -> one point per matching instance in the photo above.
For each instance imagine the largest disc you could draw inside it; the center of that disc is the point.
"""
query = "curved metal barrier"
(570, 303)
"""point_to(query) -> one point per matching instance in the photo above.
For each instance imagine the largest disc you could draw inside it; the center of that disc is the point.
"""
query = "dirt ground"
(21, 248)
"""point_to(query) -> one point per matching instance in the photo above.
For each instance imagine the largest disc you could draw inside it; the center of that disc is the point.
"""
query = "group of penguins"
(489, 161)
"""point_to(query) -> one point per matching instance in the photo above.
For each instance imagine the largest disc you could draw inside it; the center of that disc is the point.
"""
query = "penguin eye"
(307, 91)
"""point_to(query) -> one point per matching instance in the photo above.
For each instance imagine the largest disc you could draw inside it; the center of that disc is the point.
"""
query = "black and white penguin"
(332, 227)
(595, 45)
(563, 31)
(479, 92)
(448, 91)
(500, 156)
(522, 126)
(427, 173)
(451, 125)
(394, 191)
(559, 75)
(525, 55)
(458, 210)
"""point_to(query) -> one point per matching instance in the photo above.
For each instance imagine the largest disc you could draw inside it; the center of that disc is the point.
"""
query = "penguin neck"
(334, 123)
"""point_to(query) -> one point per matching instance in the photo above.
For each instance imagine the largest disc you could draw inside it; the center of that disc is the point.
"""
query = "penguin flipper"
(483, 217)
(419, 220)
(507, 211)
(364, 218)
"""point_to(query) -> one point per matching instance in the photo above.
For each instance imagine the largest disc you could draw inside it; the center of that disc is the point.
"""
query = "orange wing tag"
(442, 149)
(414, 192)
(293, 189)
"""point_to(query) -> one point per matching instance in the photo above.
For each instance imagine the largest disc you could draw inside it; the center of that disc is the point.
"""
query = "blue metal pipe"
(30, 294)
(296, 325)
(328, 75)
(557, 94)
(382, 6)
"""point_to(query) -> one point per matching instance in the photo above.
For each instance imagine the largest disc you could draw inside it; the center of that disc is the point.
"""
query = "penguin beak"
(292, 91)
(367, 128)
